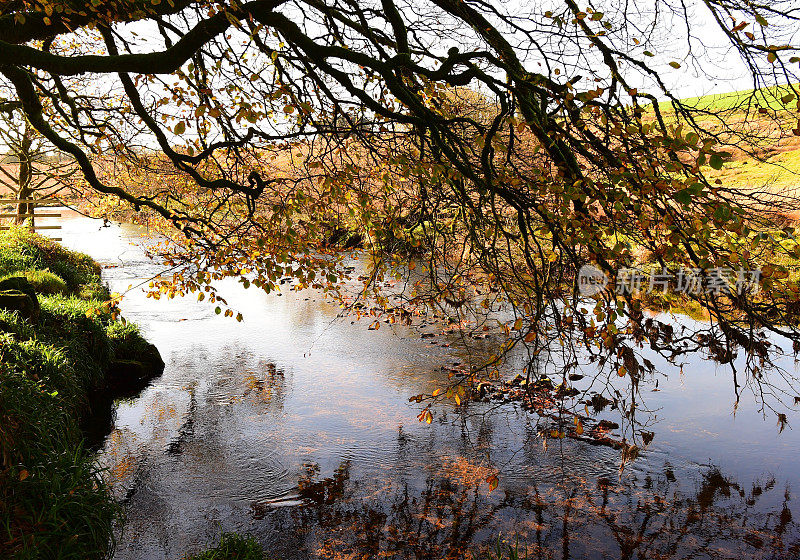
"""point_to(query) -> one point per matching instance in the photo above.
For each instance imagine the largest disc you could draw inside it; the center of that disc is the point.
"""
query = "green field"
(775, 97)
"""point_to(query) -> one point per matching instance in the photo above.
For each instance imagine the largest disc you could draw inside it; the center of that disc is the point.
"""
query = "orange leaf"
(530, 337)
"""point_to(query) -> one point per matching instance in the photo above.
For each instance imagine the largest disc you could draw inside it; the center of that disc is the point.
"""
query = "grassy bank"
(53, 502)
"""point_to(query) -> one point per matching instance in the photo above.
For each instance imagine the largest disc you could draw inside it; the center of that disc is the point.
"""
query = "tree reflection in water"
(653, 517)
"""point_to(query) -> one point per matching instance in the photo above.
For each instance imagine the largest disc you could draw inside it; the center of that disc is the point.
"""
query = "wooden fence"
(34, 203)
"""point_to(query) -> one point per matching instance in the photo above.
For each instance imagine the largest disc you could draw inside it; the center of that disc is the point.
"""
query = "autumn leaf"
(530, 337)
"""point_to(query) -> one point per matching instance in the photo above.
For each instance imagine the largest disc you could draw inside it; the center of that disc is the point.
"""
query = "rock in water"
(132, 375)
(152, 357)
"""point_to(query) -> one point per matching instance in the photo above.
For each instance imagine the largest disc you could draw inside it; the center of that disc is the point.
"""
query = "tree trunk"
(24, 191)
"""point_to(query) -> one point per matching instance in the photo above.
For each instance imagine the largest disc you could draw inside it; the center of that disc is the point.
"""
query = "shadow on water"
(98, 422)
(652, 517)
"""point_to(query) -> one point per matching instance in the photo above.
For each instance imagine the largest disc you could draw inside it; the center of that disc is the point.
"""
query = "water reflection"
(296, 427)
(652, 517)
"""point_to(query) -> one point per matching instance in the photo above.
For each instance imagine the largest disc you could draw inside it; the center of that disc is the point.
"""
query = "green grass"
(777, 173)
(768, 98)
(125, 340)
(232, 547)
(53, 501)
(505, 551)
(23, 251)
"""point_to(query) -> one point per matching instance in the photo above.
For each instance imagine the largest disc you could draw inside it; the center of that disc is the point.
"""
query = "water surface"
(295, 426)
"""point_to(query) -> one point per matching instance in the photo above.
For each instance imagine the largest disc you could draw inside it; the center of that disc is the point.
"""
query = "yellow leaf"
(458, 399)
(23, 474)
(493, 482)
(518, 324)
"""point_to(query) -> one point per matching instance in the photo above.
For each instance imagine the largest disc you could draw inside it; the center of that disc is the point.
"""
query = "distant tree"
(30, 167)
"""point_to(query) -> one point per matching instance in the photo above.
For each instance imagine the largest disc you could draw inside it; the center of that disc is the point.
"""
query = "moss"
(232, 547)
(43, 281)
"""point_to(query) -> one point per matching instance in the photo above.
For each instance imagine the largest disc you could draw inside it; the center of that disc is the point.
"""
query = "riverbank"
(61, 344)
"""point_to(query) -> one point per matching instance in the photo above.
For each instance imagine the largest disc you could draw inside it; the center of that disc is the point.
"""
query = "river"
(295, 426)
